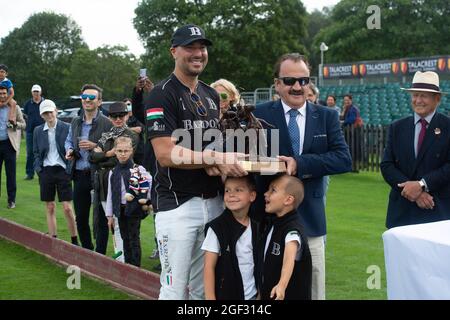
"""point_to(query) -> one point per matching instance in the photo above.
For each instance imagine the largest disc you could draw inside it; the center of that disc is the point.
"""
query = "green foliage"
(248, 36)
(408, 29)
(40, 52)
(111, 68)
(48, 49)
(317, 20)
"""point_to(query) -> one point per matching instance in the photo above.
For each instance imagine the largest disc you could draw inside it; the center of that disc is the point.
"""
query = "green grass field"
(356, 209)
(27, 275)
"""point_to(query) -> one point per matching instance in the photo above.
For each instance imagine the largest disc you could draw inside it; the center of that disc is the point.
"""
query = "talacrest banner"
(389, 68)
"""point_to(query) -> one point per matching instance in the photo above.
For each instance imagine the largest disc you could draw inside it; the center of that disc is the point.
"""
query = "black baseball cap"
(187, 34)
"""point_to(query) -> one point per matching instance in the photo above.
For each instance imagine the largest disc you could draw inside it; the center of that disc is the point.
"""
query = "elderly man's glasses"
(200, 108)
(88, 96)
(290, 81)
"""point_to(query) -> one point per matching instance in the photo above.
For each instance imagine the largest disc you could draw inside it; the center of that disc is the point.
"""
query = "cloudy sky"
(98, 19)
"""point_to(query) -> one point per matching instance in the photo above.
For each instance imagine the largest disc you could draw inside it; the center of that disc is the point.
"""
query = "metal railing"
(366, 146)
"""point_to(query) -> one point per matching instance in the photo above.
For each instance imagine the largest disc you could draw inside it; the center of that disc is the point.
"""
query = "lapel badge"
(437, 131)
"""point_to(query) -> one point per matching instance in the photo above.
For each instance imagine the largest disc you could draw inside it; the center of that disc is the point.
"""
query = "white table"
(418, 261)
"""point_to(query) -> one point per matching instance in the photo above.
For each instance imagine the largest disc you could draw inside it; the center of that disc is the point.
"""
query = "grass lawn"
(356, 210)
(25, 274)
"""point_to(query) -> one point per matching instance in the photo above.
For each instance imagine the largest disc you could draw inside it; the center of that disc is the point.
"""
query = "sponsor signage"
(390, 68)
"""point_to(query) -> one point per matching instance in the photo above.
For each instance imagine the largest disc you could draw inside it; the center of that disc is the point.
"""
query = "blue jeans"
(29, 168)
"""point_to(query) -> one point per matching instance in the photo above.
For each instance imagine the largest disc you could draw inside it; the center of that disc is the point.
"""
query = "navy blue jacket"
(432, 164)
(324, 153)
(41, 146)
(34, 119)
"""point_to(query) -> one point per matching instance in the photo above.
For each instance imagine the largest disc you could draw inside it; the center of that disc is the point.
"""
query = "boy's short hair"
(2, 87)
(295, 188)
(249, 180)
(93, 87)
(3, 67)
(123, 139)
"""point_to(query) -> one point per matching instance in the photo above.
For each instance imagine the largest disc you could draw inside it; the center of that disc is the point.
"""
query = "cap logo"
(195, 31)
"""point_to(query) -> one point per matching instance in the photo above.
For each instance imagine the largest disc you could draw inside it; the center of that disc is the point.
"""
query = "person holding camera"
(83, 131)
(104, 158)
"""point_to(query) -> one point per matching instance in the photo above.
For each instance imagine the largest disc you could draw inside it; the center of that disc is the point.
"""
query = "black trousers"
(101, 232)
(8, 155)
(82, 187)
(130, 229)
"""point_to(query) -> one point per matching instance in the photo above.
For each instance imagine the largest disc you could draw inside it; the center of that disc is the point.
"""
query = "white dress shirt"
(52, 158)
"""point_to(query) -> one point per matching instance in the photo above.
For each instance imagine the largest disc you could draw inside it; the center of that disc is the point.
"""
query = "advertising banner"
(387, 68)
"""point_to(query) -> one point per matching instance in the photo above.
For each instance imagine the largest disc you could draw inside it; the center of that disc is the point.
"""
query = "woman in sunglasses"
(105, 159)
(229, 95)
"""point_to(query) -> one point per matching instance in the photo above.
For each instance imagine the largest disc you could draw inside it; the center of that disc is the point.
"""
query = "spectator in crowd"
(137, 127)
(141, 90)
(415, 162)
(286, 263)
(230, 245)
(128, 213)
(9, 144)
(313, 94)
(34, 119)
(331, 103)
(5, 82)
(186, 178)
(84, 131)
(52, 167)
(104, 159)
(312, 144)
(228, 94)
(349, 112)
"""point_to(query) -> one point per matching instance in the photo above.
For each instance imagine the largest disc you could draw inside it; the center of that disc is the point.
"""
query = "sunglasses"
(224, 96)
(290, 81)
(200, 108)
(88, 96)
(117, 115)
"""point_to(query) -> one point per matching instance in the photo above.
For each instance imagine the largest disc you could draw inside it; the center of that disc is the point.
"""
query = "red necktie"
(423, 130)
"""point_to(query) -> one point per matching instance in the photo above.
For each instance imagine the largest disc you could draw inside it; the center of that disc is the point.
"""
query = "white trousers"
(180, 234)
(317, 248)
(117, 237)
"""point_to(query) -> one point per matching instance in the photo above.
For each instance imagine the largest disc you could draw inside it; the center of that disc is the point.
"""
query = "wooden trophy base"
(264, 165)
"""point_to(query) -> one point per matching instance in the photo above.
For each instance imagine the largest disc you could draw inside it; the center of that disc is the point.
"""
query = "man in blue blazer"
(416, 162)
(312, 144)
(53, 168)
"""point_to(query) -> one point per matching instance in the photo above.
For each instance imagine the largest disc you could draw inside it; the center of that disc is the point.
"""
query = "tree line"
(248, 37)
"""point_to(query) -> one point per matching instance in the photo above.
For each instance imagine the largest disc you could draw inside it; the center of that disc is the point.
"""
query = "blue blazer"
(432, 164)
(325, 152)
(41, 146)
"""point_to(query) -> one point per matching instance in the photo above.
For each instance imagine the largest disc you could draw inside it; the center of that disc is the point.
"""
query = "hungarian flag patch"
(155, 113)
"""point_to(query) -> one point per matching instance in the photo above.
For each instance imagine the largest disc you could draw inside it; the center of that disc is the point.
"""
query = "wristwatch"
(422, 184)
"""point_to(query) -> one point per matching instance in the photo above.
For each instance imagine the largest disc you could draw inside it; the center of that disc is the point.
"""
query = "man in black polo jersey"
(185, 192)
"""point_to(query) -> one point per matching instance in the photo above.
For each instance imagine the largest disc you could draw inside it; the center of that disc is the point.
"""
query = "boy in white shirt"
(229, 271)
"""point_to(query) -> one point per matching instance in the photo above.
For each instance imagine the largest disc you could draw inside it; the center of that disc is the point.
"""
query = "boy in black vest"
(129, 214)
(229, 245)
(286, 269)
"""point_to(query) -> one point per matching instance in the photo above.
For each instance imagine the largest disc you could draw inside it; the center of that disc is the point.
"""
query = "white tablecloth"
(418, 261)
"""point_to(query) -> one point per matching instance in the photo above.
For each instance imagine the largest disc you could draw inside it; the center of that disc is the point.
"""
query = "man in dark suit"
(312, 144)
(53, 169)
(416, 162)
